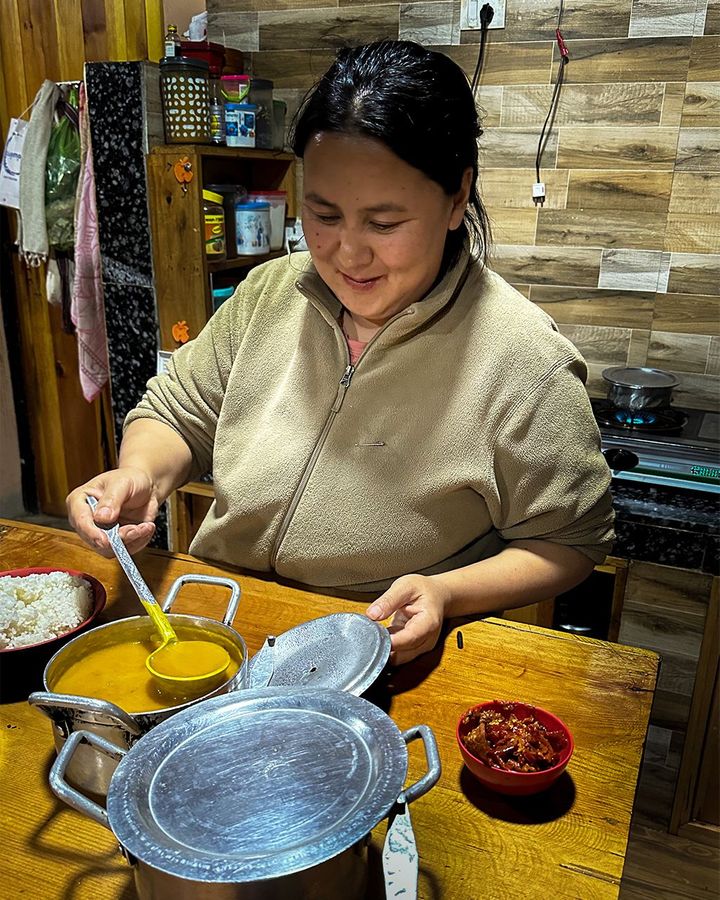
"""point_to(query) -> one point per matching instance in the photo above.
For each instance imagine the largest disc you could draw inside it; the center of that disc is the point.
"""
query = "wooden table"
(567, 843)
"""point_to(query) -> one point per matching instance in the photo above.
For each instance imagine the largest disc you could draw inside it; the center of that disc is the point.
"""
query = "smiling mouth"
(360, 282)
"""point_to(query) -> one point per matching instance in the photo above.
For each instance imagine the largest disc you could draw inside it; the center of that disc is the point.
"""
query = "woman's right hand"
(126, 495)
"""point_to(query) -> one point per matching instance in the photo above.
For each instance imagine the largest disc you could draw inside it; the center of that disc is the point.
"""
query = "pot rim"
(151, 713)
(632, 377)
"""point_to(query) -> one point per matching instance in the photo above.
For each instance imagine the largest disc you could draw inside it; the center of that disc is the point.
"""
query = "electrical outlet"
(470, 14)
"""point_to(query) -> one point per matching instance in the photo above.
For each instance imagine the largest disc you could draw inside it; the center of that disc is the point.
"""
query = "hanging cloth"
(32, 228)
(87, 306)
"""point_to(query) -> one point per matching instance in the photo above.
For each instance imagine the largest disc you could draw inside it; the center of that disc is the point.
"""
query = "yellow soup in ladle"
(118, 674)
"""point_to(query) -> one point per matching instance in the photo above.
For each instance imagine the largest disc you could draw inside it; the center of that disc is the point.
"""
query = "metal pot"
(639, 388)
(91, 770)
(262, 794)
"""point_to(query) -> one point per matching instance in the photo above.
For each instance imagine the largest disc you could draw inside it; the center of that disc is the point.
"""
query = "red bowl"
(509, 782)
(21, 668)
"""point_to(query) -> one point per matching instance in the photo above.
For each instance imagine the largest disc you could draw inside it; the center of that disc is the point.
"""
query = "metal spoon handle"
(135, 578)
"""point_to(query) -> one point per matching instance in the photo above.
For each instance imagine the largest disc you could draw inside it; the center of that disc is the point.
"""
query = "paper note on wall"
(10, 166)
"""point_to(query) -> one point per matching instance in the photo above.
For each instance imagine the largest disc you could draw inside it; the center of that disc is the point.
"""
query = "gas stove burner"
(629, 418)
(657, 421)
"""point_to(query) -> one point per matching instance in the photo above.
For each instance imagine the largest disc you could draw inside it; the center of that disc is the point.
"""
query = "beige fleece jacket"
(465, 424)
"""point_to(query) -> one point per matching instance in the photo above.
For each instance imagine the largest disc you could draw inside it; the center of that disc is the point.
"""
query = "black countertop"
(670, 526)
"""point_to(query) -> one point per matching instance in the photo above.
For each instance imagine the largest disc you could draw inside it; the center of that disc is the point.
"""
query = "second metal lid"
(639, 377)
(345, 651)
(257, 784)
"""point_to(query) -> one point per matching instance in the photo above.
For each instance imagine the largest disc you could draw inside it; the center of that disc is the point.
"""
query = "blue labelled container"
(240, 124)
(252, 228)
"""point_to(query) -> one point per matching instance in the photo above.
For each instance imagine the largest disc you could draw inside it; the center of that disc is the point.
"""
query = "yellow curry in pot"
(117, 673)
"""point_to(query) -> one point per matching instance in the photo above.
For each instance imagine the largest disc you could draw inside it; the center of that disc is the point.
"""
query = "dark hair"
(419, 104)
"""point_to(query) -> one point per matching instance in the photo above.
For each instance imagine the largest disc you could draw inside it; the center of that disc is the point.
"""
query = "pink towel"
(87, 308)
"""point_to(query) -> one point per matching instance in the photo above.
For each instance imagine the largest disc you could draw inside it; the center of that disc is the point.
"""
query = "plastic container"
(235, 87)
(214, 216)
(185, 91)
(252, 228)
(220, 295)
(261, 94)
(212, 54)
(231, 195)
(278, 202)
(240, 124)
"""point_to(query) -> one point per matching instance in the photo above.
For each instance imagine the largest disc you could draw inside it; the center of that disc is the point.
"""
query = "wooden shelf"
(198, 488)
(212, 150)
(240, 262)
(181, 269)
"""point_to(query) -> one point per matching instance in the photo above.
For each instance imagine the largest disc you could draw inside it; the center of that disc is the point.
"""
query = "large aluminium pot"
(639, 387)
(266, 793)
(91, 770)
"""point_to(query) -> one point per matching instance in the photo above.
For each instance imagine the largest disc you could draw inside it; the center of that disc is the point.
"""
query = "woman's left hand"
(417, 605)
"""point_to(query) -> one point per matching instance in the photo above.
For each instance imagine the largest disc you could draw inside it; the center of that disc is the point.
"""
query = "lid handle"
(431, 777)
(57, 706)
(233, 602)
(71, 795)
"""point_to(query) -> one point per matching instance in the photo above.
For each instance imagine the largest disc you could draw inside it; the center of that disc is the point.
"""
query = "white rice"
(36, 608)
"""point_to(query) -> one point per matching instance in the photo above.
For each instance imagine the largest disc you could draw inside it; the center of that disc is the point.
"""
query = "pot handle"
(233, 602)
(431, 777)
(55, 706)
(71, 795)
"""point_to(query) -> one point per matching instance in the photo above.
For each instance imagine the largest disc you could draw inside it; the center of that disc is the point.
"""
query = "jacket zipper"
(343, 385)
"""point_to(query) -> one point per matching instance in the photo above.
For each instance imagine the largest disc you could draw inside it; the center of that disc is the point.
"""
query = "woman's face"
(375, 226)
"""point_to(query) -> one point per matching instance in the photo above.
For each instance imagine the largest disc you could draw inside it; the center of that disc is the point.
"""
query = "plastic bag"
(61, 177)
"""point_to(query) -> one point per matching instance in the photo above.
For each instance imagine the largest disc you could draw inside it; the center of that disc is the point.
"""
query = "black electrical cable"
(486, 17)
(554, 102)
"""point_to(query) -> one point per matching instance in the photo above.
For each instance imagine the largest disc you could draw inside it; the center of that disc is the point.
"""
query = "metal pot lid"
(257, 784)
(640, 377)
(344, 651)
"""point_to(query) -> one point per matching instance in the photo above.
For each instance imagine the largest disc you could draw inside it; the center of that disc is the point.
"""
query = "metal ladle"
(173, 654)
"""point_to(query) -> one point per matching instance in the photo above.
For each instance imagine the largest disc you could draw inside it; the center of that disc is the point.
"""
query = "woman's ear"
(460, 200)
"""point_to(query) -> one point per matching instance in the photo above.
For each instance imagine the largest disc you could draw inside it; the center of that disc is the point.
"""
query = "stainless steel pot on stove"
(639, 387)
(92, 770)
(262, 794)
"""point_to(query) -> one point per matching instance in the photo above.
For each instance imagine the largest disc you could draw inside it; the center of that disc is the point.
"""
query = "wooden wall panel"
(286, 29)
(584, 104)
(593, 189)
(635, 148)
(701, 105)
(527, 20)
(579, 306)
(634, 60)
(686, 313)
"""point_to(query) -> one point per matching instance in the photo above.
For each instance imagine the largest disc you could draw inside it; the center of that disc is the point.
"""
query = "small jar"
(214, 216)
(252, 228)
(240, 124)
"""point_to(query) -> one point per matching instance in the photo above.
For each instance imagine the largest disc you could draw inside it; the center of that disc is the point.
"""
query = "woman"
(385, 414)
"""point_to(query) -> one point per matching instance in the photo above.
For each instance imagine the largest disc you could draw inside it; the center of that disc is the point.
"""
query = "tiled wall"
(625, 254)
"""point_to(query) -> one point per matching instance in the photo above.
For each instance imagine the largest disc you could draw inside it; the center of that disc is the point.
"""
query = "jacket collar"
(311, 286)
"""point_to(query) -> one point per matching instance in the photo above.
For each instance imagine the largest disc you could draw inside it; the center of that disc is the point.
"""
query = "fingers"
(119, 497)
(135, 537)
(399, 594)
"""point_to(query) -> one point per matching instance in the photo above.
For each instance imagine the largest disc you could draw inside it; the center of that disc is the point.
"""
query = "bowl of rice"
(40, 610)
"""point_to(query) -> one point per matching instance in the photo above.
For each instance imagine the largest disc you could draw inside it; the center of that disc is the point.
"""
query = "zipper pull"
(347, 376)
